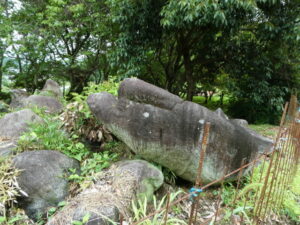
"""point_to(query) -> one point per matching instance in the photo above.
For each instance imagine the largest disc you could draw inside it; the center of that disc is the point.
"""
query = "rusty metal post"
(121, 218)
(167, 208)
(259, 201)
(279, 182)
(220, 196)
(200, 166)
(287, 167)
(258, 209)
(248, 194)
(276, 174)
(239, 181)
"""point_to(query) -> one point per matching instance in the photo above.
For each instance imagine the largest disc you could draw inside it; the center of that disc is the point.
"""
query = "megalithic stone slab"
(163, 128)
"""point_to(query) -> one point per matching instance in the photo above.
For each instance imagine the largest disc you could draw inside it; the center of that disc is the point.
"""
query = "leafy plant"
(109, 86)
(49, 136)
(77, 119)
(91, 166)
(141, 207)
(11, 220)
(84, 220)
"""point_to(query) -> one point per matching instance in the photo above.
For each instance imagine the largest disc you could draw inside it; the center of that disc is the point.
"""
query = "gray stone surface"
(44, 179)
(13, 125)
(99, 215)
(112, 193)
(51, 104)
(221, 113)
(241, 122)
(18, 97)
(148, 177)
(7, 147)
(52, 87)
(163, 128)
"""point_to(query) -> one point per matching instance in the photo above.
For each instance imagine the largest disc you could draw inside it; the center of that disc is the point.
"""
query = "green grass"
(267, 130)
(214, 103)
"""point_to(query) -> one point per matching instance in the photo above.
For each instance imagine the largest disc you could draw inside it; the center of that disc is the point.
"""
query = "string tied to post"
(194, 192)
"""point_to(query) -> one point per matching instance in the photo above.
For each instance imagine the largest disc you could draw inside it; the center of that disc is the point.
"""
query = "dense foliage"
(247, 51)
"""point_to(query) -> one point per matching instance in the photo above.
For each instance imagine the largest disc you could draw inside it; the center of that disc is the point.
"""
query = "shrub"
(77, 119)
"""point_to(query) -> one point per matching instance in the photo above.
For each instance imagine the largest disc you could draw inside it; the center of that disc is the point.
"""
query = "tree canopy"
(247, 50)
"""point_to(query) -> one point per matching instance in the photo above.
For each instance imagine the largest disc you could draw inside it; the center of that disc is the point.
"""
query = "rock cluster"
(21, 99)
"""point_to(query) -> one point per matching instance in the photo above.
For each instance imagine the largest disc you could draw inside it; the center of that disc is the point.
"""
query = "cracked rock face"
(163, 128)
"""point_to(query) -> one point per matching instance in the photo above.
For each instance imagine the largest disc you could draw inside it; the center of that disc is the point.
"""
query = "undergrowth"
(9, 188)
(50, 136)
(78, 119)
(250, 190)
(141, 208)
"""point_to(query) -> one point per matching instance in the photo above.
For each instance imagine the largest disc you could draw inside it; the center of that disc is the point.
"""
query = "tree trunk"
(188, 76)
(1, 71)
(221, 98)
(190, 90)
(78, 80)
(206, 97)
(211, 95)
(77, 86)
(1, 76)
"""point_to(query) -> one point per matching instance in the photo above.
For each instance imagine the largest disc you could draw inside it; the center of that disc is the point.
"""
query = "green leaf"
(86, 218)
(77, 222)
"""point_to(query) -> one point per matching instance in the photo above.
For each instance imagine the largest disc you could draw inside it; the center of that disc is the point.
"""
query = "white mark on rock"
(146, 114)
(201, 121)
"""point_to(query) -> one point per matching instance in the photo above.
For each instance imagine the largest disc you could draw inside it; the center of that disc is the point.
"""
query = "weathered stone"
(221, 113)
(51, 104)
(241, 122)
(148, 177)
(93, 202)
(6, 148)
(44, 179)
(52, 87)
(18, 97)
(13, 125)
(163, 128)
(112, 193)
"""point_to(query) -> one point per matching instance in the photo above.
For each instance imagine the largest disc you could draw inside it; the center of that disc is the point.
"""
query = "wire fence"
(277, 166)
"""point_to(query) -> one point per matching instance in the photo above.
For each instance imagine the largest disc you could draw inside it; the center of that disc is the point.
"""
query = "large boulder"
(163, 128)
(18, 97)
(44, 179)
(51, 104)
(111, 194)
(13, 125)
(53, 88)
